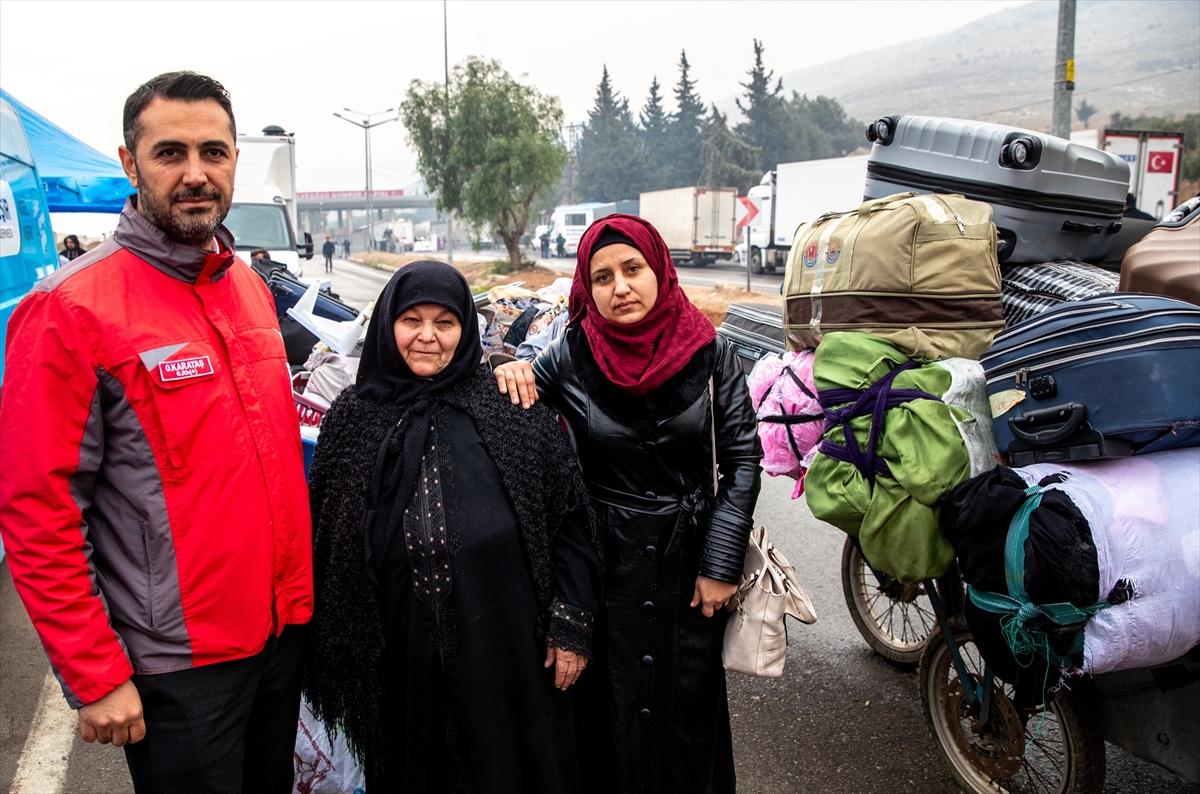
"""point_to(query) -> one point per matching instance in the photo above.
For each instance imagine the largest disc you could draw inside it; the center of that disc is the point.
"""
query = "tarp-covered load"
(77, 178)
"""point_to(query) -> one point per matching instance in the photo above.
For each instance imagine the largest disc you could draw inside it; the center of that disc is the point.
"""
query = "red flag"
(1160, 162)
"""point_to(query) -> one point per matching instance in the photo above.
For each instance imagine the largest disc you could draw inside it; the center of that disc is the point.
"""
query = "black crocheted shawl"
(540, 474)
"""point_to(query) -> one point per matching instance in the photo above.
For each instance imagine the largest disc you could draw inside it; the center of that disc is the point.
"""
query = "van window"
(12, 135)
(259, 226)
(575, 219)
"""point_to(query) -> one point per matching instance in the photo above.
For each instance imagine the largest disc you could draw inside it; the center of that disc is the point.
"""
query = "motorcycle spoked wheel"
(895, 619)
(1019, 752)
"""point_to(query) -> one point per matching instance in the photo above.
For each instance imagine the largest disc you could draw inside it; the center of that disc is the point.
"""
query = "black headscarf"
(384, 377)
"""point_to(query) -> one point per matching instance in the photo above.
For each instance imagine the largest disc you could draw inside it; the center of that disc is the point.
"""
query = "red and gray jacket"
(152, 499)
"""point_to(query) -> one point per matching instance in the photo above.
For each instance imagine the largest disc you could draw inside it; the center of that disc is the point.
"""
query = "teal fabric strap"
(1015, 609)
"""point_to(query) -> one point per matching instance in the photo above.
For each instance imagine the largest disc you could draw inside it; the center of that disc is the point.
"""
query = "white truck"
(263, 213)
(571, 221)
(697, 223)
(795, 193)
(1154, 161)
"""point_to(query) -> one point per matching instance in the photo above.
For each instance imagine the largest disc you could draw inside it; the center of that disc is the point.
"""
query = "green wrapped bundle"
(886, 493)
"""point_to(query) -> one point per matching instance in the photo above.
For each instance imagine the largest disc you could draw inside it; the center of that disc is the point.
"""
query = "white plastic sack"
(1144, 513)
(968, 391)
(324, 765)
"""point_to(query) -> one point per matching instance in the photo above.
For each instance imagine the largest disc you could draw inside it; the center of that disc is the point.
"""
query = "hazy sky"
(294, 63)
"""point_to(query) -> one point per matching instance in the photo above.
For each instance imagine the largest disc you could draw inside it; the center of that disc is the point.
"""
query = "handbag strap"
(712, 426)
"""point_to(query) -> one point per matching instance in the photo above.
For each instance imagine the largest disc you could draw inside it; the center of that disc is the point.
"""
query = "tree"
(490, 147)
(728, 161)
(1084, 112)
(684, 132)
(843, 133)
(653, 134)
(611, 165)
(768, 126)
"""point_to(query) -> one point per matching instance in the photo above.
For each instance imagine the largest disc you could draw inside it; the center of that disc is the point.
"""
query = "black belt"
(688, 506)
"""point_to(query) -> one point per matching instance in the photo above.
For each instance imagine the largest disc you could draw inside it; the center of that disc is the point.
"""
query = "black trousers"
(328, 264)
(223, 728)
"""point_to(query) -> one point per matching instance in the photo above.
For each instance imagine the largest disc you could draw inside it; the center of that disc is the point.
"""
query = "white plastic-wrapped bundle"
(1144, 514)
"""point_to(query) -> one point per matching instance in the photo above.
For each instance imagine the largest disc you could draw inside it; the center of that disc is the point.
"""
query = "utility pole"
(366, 125)
(573, 132)
(1064, 70)
(446, 56)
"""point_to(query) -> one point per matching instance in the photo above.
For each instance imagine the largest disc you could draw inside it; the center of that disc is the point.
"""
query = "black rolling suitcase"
(1051, 199)
(1026, 290)
(755, 329)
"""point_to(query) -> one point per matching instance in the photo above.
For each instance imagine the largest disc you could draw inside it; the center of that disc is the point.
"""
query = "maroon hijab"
(641, 356)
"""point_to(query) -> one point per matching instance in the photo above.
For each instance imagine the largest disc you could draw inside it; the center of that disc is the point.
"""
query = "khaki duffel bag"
(917, 270)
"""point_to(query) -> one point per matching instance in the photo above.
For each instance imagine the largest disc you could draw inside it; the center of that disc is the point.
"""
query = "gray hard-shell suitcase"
(1051, 199)
(755, 329)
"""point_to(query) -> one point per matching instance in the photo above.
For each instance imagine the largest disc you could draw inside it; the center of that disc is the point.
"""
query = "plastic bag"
(324, 764)
(778, 389)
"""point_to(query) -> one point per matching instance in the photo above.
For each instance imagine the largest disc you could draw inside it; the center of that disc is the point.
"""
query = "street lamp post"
(366, 125)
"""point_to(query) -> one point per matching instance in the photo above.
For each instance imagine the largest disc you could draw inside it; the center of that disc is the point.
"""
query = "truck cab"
(263, 212)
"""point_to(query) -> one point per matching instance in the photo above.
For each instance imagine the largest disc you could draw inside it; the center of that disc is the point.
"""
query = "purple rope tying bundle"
(873, 401)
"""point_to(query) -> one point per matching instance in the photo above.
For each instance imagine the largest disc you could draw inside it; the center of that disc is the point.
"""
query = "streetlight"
(366, 125)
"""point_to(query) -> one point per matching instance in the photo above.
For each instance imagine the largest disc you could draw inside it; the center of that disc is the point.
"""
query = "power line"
(1090, 91)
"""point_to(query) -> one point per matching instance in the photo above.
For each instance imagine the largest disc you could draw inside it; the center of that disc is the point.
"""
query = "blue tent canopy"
(77, 178)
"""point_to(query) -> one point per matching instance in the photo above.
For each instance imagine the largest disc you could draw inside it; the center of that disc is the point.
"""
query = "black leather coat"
(655, 696)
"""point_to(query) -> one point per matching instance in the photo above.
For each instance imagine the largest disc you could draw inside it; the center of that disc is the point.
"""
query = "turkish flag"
(1160, 162)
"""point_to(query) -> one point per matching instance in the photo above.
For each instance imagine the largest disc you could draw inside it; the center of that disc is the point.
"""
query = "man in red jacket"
(152, 497)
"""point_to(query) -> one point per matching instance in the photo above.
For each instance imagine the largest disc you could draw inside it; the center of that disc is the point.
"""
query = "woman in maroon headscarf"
(646, 387)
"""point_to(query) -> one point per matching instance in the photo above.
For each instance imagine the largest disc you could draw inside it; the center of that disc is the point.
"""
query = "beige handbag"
(756, 635)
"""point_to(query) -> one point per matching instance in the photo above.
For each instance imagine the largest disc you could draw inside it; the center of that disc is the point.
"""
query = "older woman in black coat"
(656, 404)
(455, 564)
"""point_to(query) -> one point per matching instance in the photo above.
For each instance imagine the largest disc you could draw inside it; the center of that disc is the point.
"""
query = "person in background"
(560, 244)
(545, 240)
(657, 405)
(260, 253)
(152, 499)
(457, 562)
(328, 250)
(72, 250)
(346, 246)
(1131, 210)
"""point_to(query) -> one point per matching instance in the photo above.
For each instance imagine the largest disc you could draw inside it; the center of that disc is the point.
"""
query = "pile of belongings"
(899, 298)
(900, 434)
(790, 419)
(1089, 567)
(1027, 290)
(523, 322)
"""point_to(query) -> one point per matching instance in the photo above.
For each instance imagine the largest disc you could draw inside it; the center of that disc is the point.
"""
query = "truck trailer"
(697, 223)
(795, 193)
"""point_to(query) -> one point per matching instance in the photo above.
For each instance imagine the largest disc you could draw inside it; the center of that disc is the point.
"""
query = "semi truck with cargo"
(263, 213)
(795, 193)
(697, 223)
(1154, 163)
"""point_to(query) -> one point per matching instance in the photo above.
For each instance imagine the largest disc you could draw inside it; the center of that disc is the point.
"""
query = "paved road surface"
(840, 720)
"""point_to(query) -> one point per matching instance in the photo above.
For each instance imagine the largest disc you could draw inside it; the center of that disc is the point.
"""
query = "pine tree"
(842, 133)
(611, 165)
(767, 120)
(653, 133)
(728, 161)
(684, 133)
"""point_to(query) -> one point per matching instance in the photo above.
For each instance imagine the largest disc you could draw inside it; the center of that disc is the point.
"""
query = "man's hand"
(710, 595)
(116, 717)
(568, 666)
(516, 380)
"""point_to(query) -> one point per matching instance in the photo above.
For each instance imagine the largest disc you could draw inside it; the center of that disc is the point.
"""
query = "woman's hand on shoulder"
(711, 595)
(567, 665)
(515, 379)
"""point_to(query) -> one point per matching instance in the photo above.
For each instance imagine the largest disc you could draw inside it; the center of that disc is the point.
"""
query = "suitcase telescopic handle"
(1047, 426)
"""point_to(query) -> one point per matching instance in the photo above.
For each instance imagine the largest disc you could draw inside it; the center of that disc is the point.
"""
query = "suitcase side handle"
(1047, 426)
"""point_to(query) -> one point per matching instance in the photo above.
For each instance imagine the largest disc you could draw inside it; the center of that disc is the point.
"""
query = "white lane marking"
(42, 768)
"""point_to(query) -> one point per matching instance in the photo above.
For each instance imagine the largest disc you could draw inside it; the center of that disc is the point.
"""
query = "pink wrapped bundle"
(790, 421)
